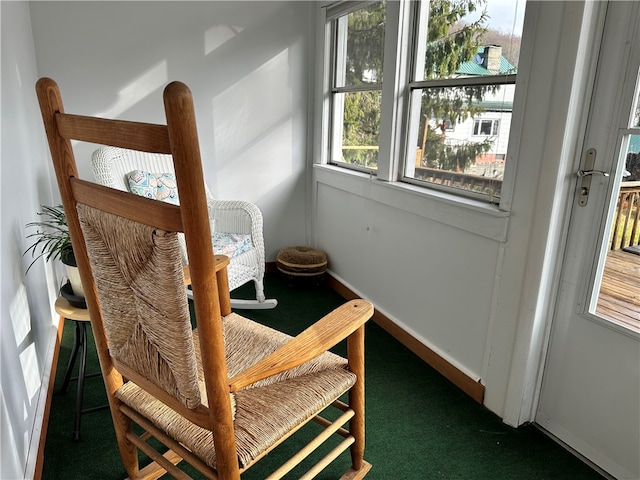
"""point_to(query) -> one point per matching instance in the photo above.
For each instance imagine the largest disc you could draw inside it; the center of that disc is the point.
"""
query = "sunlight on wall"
(31, 371)
(155, 78)
(218, 35)
(19, 313)
(249, 169)
(251, 125)
(21, 322)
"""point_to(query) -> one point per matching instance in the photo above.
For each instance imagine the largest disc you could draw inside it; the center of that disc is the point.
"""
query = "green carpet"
(419, 426)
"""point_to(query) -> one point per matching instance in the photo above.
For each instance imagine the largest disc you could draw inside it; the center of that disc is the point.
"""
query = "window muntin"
(357, 62)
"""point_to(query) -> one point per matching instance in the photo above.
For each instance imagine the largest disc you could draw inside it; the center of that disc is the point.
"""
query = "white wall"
(434, 279)
(28, 325)
(247, 64)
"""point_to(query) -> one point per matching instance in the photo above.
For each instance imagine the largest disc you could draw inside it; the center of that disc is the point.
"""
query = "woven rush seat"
(265, 406)
(295, 263)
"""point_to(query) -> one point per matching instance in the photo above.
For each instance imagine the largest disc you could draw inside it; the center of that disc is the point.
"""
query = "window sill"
(464, 213)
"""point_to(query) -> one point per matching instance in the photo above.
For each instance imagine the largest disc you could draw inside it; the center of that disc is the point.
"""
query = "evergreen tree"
(450, 42)
(365, 43)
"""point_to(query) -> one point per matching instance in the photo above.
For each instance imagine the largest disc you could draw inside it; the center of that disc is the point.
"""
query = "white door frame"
(581, 382)
(562, 71)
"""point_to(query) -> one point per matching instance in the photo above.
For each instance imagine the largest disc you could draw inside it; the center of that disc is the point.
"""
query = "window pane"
(468, 38)
(632, 161)
(360, 50)
(360, 129)
(457, 40)
(475, 150)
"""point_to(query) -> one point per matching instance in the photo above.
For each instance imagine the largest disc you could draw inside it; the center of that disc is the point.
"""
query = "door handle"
(585, 175)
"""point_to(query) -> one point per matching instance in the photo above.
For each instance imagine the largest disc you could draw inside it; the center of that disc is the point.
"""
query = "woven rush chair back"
(140, 283)
(223, 395)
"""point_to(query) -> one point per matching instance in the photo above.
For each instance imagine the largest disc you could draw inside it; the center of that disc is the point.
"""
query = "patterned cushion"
(157, 186)
(231, 244)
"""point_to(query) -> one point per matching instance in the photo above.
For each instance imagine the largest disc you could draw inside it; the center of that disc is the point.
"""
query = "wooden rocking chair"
(221, 396)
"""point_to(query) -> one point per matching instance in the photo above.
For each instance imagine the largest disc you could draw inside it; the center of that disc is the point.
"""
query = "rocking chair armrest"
(315, 340)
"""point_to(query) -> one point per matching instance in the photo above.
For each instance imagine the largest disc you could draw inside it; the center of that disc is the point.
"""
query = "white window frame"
(495, 127)
(333, 34)
(396, 89)
(416, 47)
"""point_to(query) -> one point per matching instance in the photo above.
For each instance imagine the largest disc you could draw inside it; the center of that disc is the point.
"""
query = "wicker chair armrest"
(315, 340)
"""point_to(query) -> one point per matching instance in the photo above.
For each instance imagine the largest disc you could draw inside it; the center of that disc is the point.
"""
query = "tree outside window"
(464, 73)
(358, 45)
(460, 91)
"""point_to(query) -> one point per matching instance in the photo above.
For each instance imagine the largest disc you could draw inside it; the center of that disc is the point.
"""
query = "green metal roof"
(474, 66)
(496, 105)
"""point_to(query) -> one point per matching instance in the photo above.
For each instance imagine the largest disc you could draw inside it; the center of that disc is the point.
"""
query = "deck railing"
(474, 183)
(626, 227)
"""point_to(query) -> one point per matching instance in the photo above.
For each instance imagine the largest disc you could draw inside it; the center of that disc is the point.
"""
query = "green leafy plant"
(51, 238)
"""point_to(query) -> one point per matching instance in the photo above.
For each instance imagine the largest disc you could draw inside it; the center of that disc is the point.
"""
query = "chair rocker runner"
(225, 394)
(236, 225)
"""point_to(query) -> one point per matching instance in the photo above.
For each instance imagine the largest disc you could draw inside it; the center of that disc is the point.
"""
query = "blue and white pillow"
(157, 186)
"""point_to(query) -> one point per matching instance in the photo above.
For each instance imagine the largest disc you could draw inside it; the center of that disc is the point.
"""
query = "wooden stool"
(302, 264)
(80, 317)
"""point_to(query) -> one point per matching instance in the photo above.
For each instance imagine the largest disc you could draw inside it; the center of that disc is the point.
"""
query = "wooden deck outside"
(619, 299)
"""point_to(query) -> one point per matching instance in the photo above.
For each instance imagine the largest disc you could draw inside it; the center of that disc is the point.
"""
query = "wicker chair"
(223, 395)
(231, 218)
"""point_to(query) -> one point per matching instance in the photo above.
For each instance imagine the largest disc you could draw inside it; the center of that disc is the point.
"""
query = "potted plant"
(52, 241)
